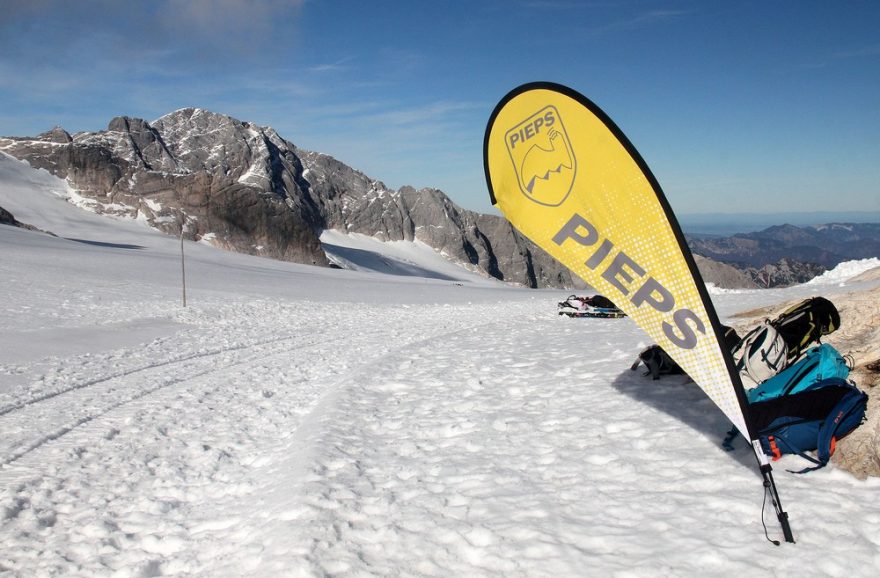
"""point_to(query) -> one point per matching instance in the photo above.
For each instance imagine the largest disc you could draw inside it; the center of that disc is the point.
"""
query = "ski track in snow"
(481, 440)
(145, 423)
(498, 470)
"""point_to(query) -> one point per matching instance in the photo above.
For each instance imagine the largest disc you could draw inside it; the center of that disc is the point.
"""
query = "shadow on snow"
(681, 398)
(382, 264)
(106, 244)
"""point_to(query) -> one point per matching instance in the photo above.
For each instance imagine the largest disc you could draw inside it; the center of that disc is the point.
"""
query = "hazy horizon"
(732, 223)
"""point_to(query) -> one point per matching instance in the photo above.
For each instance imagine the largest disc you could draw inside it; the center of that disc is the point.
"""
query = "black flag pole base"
(781, 515)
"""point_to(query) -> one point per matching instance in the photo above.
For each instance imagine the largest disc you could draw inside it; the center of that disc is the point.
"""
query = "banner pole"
(770, 487)
(182, 262)
(781, 515)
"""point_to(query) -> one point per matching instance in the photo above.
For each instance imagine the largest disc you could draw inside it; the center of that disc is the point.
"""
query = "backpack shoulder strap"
(851, 406)
(840, 417)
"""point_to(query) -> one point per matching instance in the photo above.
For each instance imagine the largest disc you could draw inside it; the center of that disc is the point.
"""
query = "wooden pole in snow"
(182, 264)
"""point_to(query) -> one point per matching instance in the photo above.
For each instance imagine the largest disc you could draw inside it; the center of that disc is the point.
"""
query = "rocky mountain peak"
(128, 124)
(787, 233)
(56, 135)
(136, 141)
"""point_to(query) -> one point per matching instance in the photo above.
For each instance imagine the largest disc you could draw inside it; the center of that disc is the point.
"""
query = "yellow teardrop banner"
(568, 179)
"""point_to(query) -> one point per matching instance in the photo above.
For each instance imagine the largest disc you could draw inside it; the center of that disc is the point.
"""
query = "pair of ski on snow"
(589, 306)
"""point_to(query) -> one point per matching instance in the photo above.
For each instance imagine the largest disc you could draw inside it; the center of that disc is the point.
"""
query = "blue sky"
(765, 106)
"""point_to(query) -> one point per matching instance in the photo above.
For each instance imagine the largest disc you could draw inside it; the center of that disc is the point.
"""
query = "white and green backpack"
(761, 354)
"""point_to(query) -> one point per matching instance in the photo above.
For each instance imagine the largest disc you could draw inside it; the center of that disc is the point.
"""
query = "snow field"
(267, 437)
(295, 421)
(510, 472)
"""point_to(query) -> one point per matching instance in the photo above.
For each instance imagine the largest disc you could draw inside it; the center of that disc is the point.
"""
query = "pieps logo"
(542, 157)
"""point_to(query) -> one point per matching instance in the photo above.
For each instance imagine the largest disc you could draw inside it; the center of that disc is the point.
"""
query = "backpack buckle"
(777, 453)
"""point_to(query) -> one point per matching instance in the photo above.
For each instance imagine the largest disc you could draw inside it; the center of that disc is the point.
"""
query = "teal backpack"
(817, 364)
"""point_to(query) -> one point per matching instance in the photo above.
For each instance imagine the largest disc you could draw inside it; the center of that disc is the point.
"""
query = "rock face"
(246, 189)
(859, 337)
(722, 275)
(783, 273)
(350, 201)
(216, 174)
(7, 218)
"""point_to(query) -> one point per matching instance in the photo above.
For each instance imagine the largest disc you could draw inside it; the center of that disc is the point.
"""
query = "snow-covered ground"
(297, 421)
(845, 271)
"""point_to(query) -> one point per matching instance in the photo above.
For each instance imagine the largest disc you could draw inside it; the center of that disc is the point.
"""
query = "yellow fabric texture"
(566, 181)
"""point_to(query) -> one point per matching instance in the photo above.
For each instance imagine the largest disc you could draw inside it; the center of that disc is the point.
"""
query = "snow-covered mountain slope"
(359, 252)
(243, 187)
(305, 421)
(38, 198)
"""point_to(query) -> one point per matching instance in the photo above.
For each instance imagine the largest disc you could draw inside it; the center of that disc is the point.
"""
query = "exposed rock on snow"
(784, 273)
(7, 218)
(723, 275)
(858, 336)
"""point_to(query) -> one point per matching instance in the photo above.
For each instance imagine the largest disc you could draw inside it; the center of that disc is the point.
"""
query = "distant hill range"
(729, 224)
(244, 188)
(786, 254)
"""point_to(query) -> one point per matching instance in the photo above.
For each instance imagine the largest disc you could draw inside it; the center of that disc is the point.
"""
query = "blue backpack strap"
(844, 417)
(791, 449)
